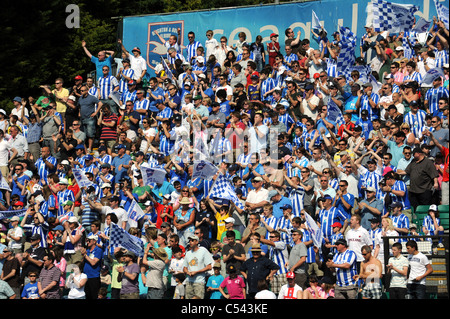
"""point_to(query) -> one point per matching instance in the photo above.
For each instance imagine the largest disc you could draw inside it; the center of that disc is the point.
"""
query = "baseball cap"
(337, 224)
(136, 49)
(396, 204)
(341, 241)
(286, 206)
(433, 208)
(290, 275)
(371, 189)
(327, 197)
(194, 237)
(230, 220)
(273, 35)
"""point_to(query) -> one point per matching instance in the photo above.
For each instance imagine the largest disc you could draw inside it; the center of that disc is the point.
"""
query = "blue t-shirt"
(93, 271)
(214, 282)
(30, 291)
(100, 64)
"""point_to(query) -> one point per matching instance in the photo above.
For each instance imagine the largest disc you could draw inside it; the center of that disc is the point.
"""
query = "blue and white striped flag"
(135, 211)
(442, 12)
(421, 25)
(346, 58)
(81, 177)
(153, 175)
(335, 113)
(392, 17)
(315, 23)
(4, 183)
(314, 229)
(223, 189)
(121, 238)
(204, 170)
(166, 69)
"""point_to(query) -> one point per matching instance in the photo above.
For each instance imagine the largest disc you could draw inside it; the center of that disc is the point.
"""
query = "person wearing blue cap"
(18, 107)
(278, 201)
(328, 215)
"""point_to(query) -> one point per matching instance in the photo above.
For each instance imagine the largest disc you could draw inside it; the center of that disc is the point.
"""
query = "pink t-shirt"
(234, 287)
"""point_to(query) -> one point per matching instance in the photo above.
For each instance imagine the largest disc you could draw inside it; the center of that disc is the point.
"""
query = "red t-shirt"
(160, 209)
(234, 138)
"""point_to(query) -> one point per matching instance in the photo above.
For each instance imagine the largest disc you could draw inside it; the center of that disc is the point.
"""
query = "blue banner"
(255, 20)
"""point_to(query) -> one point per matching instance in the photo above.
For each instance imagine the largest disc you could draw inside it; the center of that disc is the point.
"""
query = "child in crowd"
(234, 284)
(212, 286)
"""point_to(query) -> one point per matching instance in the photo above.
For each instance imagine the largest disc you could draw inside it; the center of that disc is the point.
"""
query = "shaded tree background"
(37, 47)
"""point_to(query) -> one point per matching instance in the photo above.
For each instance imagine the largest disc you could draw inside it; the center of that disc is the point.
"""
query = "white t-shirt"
(75, 292)
(138, 65)
(258, 143)
(289, 293)
(356, 239)
(418, 265)
(314, 100)
(265, 294)
(121, 214)
(5, 147)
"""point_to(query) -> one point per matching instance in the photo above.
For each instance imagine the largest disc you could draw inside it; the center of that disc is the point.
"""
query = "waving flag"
(4, 183)
(81, 178)
(334, 113)
(442, 12)
(431, 75)
(315, 23)
(421, 25)
(166, 69)
(135, 211)
(153, 175)
(121, 238)
(8, 214)
(392, 17)
(346, 57)
(204, 170)
(223, 189)
(314, 229)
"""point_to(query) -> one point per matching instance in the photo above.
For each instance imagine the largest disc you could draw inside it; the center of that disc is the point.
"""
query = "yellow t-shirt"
(221, 224)
(60, 106)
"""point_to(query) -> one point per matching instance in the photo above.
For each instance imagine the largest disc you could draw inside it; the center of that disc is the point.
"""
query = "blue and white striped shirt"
(191, 51)
(42, 168)
(279, 255)
(344, 277)
(401, 221)
(328, 218)
(106, 85)
(415, 121)
(365, 105)
(433, 95)
(141, 105)
(123, 83)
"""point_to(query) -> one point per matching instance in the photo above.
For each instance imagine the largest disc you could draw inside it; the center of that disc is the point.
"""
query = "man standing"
(369, 208)
(101, 59)
(357, 237)
(192, 47)
(257, 197)
(233, 253)
(92, 264)
(371, 270)
(258, 134)
(344, 264)
(197, 262)
(107, 86)
(89, 108)
(297, 258)
(19, 143)
(257, 268)
(397, 267)
(420, 269)
(137, 62)
(46, 164)
(49, 277)
(423, 178)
